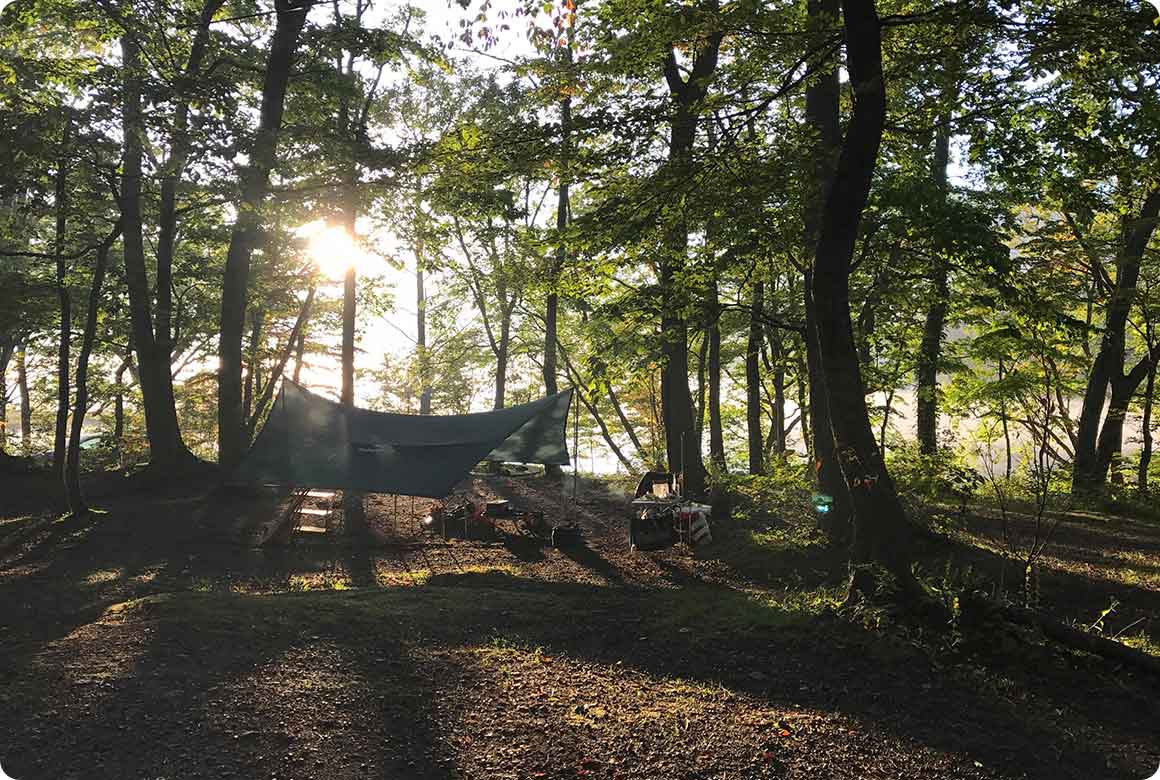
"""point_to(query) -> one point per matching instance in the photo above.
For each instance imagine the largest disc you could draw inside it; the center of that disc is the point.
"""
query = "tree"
(291, 18)
(880, 522)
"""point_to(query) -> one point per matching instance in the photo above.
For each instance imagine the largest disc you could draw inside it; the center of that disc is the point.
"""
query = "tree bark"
(72, 468)
(1088, 475)
(167, 450)
(822, 117)
(930, 348)
(64, 334)
(881, 527)
(291, 16)
(753, 380)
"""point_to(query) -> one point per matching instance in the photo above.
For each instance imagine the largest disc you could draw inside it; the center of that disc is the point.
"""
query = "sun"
(334, 250)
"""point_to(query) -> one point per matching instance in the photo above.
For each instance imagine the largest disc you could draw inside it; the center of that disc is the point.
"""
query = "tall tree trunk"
(72, 468)
(552, 304)
(166, 447)
(881, 527)
(1088, 475)
(25, 400)
(64, 334)
(822, 118)
(930, 348)
(290, 18)
(753, 379)
(682, 444)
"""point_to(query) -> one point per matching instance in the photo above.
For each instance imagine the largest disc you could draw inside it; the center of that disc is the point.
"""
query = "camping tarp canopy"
(311, 441)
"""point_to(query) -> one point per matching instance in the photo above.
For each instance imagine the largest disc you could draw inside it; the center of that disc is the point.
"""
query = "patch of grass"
(712, 610)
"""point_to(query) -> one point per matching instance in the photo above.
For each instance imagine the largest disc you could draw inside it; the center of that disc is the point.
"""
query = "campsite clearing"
(135, 647)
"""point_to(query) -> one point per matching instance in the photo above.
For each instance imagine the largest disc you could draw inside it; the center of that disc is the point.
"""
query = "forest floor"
(140, 644)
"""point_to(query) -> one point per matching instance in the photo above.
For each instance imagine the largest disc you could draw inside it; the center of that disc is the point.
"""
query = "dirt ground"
(145, 643)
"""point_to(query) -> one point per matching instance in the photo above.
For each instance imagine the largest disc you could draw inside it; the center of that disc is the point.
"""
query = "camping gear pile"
(465, 519)
(662, 517)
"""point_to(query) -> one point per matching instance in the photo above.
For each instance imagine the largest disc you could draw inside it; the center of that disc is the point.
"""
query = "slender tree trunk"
(930, 348)
(552, 305)
(1004, 420)
(167, 450)
(777, 433)
(119, 406)
(1088, 475)
(822, 117)
(802, 383)
(501, 356)
(72, 468)
(5, 357)
(626, 424)
(1146, 431)
(881, 527)
(290, 18)
(300, 349)
(421, 332)
(753, 379)
(64, 334)
(25, 400)
(256, 320)
(716, 430)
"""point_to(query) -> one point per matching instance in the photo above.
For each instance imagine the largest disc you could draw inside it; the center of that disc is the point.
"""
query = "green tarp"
(310, 441)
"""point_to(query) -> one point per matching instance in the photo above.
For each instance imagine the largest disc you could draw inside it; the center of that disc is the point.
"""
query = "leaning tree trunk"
(72, 467)
(822, 117)
(291, 17)
(753, 349)
(881, 526)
